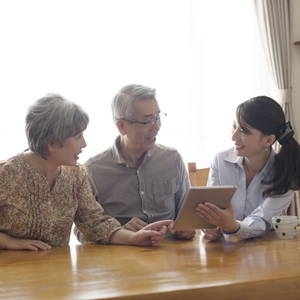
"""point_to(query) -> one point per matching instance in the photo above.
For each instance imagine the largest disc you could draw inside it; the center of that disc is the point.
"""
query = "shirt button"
(142, 193)
(138, 171)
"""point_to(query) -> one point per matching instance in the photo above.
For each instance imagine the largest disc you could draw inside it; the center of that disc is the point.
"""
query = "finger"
(33, 245)
(141, 223)
(130, 226)
(40, 246)
(133, 227)
(207, 212)
(158, 224)
(212, 234)
(138, 222)
(163, 229)
(185, 234)
(211, 237)
(157, 239)
(231, 207)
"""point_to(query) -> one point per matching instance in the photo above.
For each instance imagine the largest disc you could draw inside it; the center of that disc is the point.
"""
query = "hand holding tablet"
(187, 217)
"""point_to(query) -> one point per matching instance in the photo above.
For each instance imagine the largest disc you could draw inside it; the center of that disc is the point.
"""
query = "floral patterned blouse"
(29, 210)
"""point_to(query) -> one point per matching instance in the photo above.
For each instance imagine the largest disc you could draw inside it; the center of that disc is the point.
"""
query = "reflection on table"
(230, 268)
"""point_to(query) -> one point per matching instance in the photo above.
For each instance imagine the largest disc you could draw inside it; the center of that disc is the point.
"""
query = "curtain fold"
(274, 22)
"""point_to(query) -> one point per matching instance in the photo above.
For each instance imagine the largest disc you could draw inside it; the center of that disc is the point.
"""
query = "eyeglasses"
(161, 117)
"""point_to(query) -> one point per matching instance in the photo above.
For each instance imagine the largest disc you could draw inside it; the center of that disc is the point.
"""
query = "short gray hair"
(53, 119)
(122, 103)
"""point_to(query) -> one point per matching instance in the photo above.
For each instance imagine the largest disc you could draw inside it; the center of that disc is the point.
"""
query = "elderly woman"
(44, 190)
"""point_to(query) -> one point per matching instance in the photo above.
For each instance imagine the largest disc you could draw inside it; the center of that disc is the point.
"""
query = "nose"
(234, 134)
(156, 126)
(84, 144)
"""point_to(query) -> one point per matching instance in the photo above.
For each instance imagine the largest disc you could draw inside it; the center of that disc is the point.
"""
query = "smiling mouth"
(151, 138)
(77, 155)
(238, 147)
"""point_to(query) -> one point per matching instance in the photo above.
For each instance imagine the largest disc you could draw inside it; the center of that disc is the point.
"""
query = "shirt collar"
(117, 155)
(232, 158)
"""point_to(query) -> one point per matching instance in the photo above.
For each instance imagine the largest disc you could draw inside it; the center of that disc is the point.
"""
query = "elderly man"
(136, 180)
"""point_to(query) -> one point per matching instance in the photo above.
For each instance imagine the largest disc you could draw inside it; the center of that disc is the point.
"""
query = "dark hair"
(53, 119)
(266, 115)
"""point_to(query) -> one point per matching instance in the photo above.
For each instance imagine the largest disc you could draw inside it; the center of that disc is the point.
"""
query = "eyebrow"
(150, 115)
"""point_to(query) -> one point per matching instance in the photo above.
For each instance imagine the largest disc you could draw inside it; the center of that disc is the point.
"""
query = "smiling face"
(68, 153)
(137, 137)
(248, 141)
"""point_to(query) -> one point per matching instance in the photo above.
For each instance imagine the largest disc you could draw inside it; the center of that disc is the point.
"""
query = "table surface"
(230, 268)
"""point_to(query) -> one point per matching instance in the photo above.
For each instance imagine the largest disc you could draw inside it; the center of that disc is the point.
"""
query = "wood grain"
(231, 268)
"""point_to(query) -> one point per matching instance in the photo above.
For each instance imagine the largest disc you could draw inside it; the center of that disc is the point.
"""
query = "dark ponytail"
(285, 174)
(266, 115)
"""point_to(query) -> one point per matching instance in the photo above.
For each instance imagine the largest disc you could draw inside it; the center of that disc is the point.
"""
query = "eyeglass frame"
(148, 123)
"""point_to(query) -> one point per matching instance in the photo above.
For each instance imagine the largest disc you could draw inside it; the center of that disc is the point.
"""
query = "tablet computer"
(187, 217)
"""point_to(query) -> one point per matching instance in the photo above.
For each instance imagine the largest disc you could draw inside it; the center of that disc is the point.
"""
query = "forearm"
(121, 237)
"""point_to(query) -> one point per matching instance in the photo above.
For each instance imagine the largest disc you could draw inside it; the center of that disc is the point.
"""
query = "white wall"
(296, 65)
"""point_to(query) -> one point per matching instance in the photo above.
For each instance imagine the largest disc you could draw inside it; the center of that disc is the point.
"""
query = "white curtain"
(274, 19)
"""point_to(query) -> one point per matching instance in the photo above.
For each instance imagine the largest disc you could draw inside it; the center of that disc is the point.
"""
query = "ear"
(270, 140)
(121, 126)
(51, 147)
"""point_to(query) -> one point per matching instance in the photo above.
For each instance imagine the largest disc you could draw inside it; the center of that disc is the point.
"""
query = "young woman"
(265, 180)
(44, 190)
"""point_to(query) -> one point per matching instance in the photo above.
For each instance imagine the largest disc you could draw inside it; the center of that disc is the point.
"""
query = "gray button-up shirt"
(152, 192)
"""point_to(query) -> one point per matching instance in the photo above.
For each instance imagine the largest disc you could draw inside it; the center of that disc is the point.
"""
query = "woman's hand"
(151, 234)
(182, 234)
(212, 234)
(10, 243)
(223, 218)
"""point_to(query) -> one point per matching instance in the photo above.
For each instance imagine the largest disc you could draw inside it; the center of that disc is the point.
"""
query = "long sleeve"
(252, 211)
(91, 222)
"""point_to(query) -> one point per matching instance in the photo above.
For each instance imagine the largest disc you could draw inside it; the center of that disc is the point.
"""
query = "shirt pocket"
(164, 194)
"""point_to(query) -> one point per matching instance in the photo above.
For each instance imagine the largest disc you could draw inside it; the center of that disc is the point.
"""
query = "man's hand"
(135, 224)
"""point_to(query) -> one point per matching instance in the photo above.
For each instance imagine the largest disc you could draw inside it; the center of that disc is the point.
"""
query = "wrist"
(122, 237)
(232, 229)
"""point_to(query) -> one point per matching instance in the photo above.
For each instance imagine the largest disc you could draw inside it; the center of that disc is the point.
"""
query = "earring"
(266, 149)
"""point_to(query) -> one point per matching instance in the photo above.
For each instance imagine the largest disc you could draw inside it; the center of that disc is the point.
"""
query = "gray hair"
(53, 119)
(122, 103)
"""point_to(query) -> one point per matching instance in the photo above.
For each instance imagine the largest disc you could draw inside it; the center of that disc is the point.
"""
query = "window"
(202, 57)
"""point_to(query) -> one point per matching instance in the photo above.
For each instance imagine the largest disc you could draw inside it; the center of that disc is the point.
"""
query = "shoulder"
(229, 153)
(97, 158)
(11, 164)
(165, 152)
(13, 170)
(78, 171)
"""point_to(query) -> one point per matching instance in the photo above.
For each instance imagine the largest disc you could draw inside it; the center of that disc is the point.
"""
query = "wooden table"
(261, 268)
